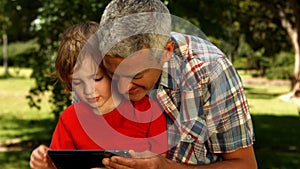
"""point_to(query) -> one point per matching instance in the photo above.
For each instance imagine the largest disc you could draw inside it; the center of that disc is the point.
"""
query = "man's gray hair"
(127, 26)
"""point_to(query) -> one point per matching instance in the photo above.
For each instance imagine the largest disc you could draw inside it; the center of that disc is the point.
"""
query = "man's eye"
(98, 79)
(138, 76)
(109, 73)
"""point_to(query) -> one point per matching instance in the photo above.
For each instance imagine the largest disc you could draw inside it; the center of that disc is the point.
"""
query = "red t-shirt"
(139, 126)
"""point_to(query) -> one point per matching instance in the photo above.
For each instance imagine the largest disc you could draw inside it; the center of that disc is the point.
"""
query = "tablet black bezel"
(83, 159)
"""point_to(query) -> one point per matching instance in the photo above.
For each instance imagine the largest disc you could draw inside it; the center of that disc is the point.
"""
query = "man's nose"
(124, 84)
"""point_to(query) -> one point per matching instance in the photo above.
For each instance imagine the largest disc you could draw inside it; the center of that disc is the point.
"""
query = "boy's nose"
(89, 87)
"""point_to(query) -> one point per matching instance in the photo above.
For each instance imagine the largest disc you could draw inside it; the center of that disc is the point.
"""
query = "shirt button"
(189, 137)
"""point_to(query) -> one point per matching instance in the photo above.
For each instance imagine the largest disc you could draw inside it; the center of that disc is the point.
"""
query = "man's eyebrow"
(128, 76)
(109, 72)
(135, 75)
(138, 74)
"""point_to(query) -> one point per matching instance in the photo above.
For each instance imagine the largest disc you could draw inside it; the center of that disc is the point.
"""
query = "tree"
(15, 20)
(270, 26)
(274, 26)
(4, 20)
(216, 18)
(294, 34)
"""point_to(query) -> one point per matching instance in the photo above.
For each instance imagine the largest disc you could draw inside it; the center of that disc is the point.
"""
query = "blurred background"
(260, 37)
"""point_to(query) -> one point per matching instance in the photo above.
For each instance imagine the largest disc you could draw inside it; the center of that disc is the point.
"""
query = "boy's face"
(135, 75)
(91, 84)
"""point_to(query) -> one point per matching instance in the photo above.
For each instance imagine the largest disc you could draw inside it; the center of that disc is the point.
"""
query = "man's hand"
(242, 158)
(138, 160)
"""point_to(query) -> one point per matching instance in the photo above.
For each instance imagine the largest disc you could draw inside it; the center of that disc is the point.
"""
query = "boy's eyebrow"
(76, 78)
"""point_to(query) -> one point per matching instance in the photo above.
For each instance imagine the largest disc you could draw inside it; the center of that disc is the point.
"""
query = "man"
(209, 124)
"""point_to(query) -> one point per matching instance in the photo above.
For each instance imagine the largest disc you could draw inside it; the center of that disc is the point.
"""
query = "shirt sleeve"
(61, 138)
(226, 110)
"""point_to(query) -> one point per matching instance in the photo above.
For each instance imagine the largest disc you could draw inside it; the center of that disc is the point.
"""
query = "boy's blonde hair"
(73, 40)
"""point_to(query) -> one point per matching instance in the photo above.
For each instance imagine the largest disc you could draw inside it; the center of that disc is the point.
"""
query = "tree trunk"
(295, 4)
(293, 33)
(295, 80)
(5, 54)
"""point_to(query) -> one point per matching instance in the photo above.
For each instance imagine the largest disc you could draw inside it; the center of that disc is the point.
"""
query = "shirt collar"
(169, 76)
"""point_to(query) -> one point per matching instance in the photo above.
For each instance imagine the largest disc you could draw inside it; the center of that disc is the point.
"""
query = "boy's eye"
(76, 82)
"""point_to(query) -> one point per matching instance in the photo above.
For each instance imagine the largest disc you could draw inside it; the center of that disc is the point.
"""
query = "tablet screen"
(83, 159)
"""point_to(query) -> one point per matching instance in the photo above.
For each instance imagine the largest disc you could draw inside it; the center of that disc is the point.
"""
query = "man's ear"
(169, 48)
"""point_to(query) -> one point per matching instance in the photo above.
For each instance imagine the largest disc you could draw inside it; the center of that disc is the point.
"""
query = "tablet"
(82, 159)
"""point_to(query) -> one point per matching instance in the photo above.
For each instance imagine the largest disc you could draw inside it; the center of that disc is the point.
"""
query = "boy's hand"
(39, 158)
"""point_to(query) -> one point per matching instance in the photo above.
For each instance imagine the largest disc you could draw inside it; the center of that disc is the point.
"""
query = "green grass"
(265, 100)
(276, 123)
(14, 160)
(277, 144)
(18, 122)
(17, 72)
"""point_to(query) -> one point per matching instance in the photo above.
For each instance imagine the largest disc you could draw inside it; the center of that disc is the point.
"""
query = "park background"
(260, 37)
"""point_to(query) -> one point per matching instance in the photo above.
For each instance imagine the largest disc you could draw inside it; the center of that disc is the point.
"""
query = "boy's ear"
(169, 48)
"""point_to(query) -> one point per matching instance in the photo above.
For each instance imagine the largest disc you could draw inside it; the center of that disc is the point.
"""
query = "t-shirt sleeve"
(61, 138)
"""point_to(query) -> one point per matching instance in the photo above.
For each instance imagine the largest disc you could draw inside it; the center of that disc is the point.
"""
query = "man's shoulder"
(189, 43)
(177, 36)
(192, 46)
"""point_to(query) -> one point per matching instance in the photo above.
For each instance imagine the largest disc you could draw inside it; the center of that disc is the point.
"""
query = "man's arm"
(242, 158)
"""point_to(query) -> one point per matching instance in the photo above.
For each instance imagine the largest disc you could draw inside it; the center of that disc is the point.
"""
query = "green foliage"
(220, 43)
(206, 14)
(4, 19)
(260, 21)
(248, 30)
(281, 67)
(20, 53)
(278, 67)
(240, 63)
(16, 17)
(250, 58)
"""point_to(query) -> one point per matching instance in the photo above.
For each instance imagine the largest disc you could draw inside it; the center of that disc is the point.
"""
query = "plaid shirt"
(206, 106)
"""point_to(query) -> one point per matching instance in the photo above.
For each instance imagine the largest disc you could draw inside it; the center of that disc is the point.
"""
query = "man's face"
(134, 75)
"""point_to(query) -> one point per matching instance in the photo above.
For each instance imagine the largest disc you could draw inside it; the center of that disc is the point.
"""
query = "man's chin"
(133, 97)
